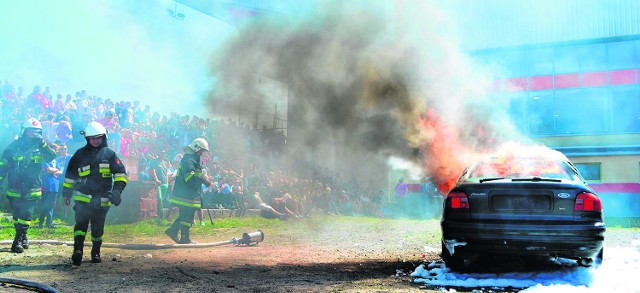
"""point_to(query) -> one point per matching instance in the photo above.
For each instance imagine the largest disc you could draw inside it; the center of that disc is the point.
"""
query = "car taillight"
(587, 201)
(457, 200)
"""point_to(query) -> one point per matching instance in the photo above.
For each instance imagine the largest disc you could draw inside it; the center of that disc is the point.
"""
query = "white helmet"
(199, 144)
(32, 123)
(94, 129)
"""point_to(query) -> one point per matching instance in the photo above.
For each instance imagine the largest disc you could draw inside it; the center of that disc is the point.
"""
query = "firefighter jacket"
(94, 172)
(188, 185)
(21, 165)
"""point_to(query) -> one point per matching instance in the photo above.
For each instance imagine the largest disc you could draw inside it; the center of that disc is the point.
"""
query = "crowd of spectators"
(235, 162)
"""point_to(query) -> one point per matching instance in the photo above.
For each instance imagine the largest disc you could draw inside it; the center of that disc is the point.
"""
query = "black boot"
(95, 251)
(25, 241)
(172, 232)
(78, 246)
(184, 236)
(17, 244)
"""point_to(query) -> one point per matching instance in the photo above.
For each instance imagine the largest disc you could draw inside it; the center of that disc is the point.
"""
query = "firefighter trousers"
(86, 214)
(23, 210)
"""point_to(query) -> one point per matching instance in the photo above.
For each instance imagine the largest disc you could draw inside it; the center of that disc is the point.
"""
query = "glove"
(115, 198)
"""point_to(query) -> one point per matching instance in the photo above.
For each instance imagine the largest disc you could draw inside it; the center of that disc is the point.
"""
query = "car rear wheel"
(598, 259)
(595, 262)
(453, 261)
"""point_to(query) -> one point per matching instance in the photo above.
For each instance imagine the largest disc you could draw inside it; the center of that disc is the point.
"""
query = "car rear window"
(521, 168)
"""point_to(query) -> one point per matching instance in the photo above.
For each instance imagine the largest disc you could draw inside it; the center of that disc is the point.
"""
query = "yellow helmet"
(199, 144)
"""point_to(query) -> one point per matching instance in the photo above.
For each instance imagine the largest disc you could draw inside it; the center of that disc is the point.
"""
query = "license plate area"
(520, 202)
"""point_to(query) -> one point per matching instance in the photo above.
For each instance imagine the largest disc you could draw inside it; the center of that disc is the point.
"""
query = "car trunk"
(521, 201)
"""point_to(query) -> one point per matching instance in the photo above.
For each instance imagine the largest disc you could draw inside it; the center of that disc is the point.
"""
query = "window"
(566, 60)
(517, 111)
(539, 61)
(625, 109)
(589, 171)
(593, 57)
(621, 55)
(540, 113)
(515, 63)
(566, 112)
(593, 111)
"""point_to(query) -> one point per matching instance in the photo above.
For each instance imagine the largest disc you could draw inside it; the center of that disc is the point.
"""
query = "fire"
(443, 152)
(447, 150)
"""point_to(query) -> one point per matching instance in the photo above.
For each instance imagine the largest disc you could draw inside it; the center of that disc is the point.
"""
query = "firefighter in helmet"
(95, 179)
(187, 190)
(21, 165)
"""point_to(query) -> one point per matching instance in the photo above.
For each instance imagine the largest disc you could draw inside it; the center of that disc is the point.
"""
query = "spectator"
(377, 206)
(110, 122)
(70, 105)
(62, 160)
(50, 189)
(401, 195)
(172, 171)
(49, 126)
(431, 197)
(64, 132)
(266, 210)
(58, 105)
(34, 99)
(157, 169)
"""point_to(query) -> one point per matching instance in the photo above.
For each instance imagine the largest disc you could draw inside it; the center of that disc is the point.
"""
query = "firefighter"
(187, 190)
(21, 164)
(95, 179)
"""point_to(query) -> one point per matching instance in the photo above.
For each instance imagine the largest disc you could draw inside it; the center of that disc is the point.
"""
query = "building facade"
(576, 88)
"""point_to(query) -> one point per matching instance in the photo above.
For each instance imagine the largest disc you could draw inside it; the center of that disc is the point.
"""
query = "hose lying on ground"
(132, 246)
(247, 239)
(34, 286)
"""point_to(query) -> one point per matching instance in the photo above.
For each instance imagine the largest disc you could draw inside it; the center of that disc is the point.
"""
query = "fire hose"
(33, 286)
(252, 238)
(248, 239)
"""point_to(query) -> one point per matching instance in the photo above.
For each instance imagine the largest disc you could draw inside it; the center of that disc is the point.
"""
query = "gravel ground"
(312, 255)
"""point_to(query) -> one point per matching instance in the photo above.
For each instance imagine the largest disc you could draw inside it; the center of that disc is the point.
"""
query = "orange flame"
(442, 153)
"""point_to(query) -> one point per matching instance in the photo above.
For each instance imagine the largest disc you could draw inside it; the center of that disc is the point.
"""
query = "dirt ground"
(312, 256)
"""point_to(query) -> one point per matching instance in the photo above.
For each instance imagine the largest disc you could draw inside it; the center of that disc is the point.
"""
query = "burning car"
(522, 204)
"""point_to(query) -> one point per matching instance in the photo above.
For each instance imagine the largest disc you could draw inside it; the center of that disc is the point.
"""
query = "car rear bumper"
(562, 240)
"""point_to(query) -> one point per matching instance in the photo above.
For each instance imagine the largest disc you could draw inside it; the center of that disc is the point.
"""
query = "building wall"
(504, 23)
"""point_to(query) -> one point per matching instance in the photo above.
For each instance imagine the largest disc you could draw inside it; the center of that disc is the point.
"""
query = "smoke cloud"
(367, 82)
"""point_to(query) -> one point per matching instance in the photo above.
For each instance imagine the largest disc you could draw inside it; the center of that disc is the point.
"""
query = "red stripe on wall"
(515, 84)
(597, 187)
(496, 85)
(598, 78)
(616, 187)
(626, 76)
(570, 80)
(544, 82)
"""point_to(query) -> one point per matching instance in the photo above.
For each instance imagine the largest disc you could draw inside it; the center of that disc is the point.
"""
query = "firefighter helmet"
(199, 144)
(32, 123)
(94, 129)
